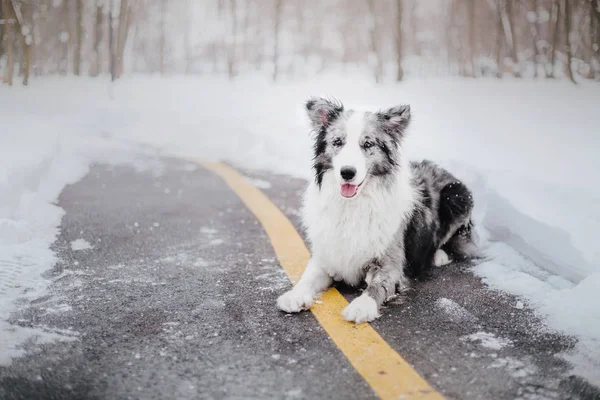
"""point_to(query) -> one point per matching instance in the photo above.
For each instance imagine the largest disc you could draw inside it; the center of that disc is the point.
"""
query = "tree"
(122, 33)
(378, 67)
(276, 29)
(98, 34)
(9, 28)
(398, 41)
(535, 29)
(568, 43)
(555, 36)
(471, 22)
(78, 38)
(163, 36)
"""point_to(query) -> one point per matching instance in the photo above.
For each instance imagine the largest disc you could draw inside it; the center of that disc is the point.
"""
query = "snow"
(488, 340)
(454, 311)
(259, 183)
(80, 244)
(528, 149)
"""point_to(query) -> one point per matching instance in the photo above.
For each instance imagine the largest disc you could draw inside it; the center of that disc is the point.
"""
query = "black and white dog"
(370, 214)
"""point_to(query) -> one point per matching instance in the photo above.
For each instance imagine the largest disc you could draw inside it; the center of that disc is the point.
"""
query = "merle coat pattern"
(370, 214)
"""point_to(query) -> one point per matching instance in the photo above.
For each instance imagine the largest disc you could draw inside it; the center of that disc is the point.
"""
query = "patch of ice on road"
(59, 308)
(81, 244)
(488, 340)
(259, 183)
(17, 340)
(208, 231)
(519, 305)
(216, 242)
(454, 310)
(200, 263)
(515, 368)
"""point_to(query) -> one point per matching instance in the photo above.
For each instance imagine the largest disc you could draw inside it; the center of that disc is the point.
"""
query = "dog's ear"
(395, 119)
(321, 112)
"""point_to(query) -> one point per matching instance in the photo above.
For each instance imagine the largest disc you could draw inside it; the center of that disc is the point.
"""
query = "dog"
(371, 215)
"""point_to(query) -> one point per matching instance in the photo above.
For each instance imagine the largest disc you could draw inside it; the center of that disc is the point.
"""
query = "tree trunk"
(555, 35)
(535, 34)
(98, 34)
(278, 6)
(500, 40)
(65, 37)
(111, 40)
(122, 32)
(27, 58)
(186, 37)
(400, 70)
(2, 16)
(163, 35)
(512, 39)
(595, 37)
(231, 48)
(374, 48)
(9, 28)
(78, 39)
(568, 44)
(471, 22)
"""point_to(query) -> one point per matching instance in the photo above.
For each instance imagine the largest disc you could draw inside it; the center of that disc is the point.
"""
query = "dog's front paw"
(362, 309)
(295, 301)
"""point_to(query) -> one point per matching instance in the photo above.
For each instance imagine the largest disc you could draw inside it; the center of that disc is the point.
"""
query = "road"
(175, 299)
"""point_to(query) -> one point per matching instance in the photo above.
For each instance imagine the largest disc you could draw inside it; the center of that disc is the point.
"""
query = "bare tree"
(471, 23)
(122, 33)
(186, 37)
(111, 42)
(276, 33)
(569, 44)
(509, 29)
(594, 7)
(378, 68)
(399, 41)
(65, 36)
(98, 34)
(163, 35)
(232, 46)
(9, 28)
(78, 38)
(535, 29)
(556, 6)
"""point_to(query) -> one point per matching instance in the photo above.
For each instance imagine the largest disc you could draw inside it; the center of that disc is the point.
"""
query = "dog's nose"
(348, 173)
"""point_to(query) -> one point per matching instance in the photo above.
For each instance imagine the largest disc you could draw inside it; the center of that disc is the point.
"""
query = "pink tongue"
(348, 190)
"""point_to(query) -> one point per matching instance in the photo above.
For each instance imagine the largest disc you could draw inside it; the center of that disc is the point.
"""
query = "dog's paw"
(362, 309)
(295, 301)
(441, 258)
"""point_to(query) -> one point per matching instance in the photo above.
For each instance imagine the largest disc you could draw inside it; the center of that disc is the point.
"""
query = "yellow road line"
(390, 376)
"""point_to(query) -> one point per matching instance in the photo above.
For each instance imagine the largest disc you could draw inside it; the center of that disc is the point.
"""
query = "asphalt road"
(175, 299)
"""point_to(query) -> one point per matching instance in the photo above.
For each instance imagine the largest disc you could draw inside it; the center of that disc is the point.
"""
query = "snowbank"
(528, 149)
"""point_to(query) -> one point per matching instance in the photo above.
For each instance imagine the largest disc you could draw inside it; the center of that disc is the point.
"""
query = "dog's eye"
(367, 145)
(337, 142)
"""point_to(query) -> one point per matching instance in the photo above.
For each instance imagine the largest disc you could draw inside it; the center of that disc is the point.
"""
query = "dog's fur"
(394, 220)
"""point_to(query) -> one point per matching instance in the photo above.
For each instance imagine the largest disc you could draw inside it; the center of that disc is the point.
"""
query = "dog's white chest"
(347, 234)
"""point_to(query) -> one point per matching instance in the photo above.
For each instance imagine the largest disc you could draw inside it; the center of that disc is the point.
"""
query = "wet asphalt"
(176, 300)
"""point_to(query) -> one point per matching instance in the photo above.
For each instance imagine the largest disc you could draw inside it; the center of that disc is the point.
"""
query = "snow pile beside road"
(36, 162)
(43, 148)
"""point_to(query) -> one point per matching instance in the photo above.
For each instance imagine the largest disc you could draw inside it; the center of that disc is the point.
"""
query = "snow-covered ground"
(528, 149)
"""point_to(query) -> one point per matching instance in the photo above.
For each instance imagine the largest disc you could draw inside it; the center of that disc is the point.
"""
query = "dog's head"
(355, 146)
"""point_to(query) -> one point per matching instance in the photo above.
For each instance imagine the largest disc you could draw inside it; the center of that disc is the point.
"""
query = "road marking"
(388, 374)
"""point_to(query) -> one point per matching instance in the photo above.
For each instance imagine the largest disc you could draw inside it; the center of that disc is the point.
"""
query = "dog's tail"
(463, 244)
